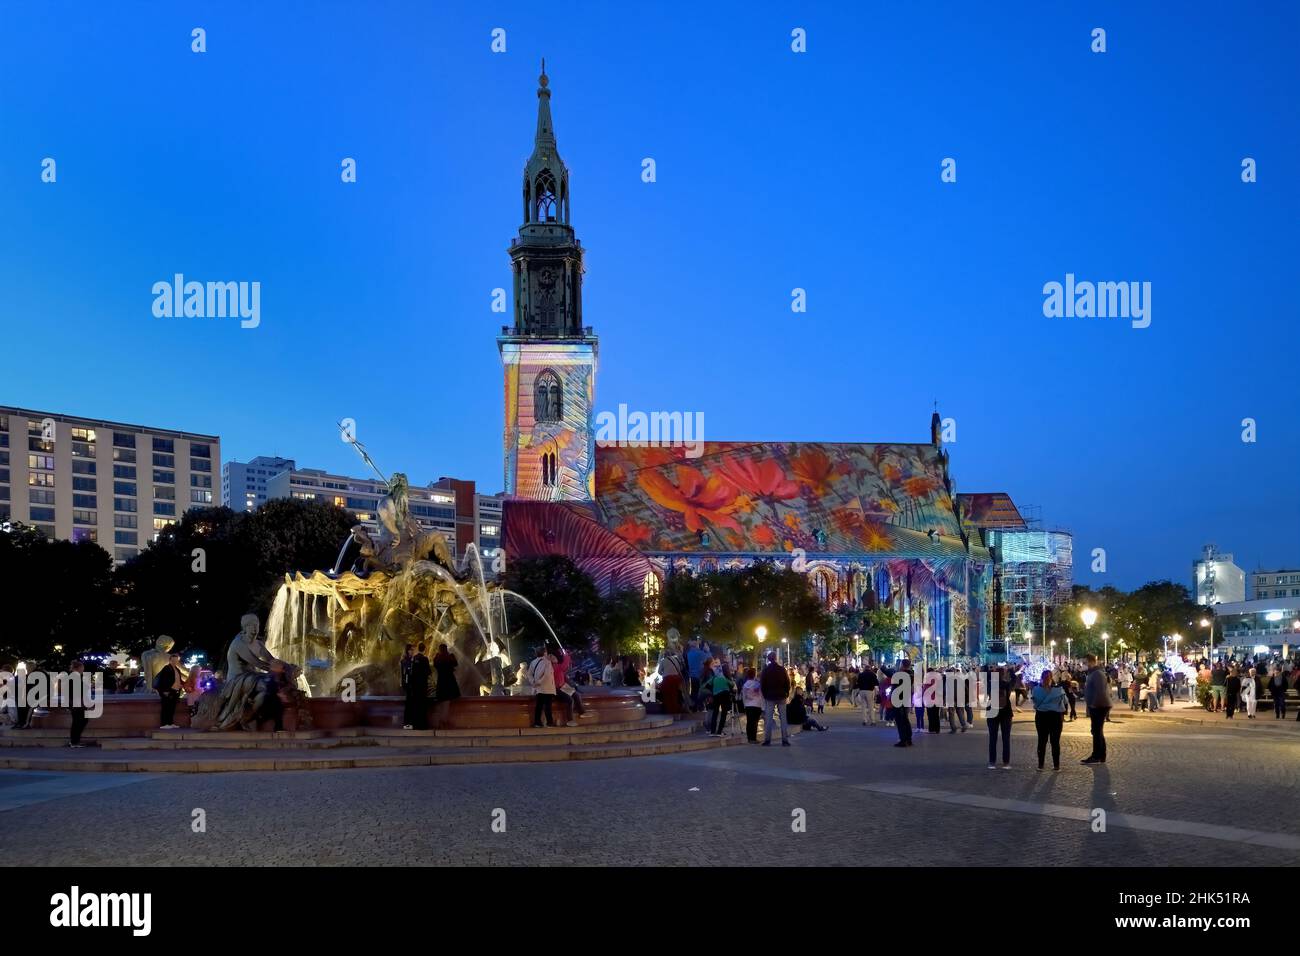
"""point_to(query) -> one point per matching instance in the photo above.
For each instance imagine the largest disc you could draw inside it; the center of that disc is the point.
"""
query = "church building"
(868, 522)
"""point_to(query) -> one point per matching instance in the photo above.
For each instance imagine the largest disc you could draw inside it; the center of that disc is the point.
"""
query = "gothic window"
(825, 586)
(549, 469)
(544, 197)
(548, 405)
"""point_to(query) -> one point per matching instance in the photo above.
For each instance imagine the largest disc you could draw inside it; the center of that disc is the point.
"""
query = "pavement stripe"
(803, 776)
(52, 786)
(1131, 821)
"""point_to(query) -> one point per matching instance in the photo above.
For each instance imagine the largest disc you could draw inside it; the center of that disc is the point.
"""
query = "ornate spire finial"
(542, 79)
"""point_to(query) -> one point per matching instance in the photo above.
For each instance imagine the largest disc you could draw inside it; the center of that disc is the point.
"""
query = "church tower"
(548, 356)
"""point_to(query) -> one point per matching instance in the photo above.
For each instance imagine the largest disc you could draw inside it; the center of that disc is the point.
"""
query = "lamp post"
(760, 632)
(1209, 641)
(1052, 644)
(1089, 618)
(1029, 639)
(1069, 654)
(925, 646)
(1105, 649)
(786, 642)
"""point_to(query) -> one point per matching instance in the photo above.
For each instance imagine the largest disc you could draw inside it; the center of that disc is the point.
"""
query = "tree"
(564, 594)
(621, 625)
(60, 594)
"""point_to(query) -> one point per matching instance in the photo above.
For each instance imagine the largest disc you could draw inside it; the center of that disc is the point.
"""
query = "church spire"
(545, 128)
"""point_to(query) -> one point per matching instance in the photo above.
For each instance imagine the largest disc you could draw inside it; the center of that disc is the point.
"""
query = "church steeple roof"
(545, 128)
(546, 179)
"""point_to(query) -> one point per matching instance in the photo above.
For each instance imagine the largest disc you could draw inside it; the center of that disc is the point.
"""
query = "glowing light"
(1088, 616)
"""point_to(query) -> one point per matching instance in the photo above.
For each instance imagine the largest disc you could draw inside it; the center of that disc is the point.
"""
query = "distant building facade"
(1216, 579)
(1248, 626)
(1033, 568)
(451, 506)
(87, 479)
(1274, 584)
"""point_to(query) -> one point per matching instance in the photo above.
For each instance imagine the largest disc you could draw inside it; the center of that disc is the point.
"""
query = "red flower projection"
(813, 468)
(761, 477)
(919, 486)
(633, 532)
(697, 498)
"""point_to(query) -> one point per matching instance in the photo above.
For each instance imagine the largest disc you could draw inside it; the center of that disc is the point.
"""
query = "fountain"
(351, 624)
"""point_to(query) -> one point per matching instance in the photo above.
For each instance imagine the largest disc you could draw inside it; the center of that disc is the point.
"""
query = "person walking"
(1232, 691)
(867, 685)
(1153, 688)
(417, 692)
(1249, 694)
(953, 699)
(541, 677)
(79, 719)
(1000, 703)
(1049, 716)
(1096, 697)
(168, 685)
(775, 686)
(899, 697)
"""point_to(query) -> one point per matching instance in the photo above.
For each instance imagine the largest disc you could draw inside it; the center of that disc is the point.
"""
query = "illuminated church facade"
(870, 523)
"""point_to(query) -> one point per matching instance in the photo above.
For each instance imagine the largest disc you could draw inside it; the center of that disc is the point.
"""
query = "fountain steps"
(359, 755)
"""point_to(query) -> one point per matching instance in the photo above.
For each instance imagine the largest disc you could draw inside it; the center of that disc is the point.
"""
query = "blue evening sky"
(775, 171)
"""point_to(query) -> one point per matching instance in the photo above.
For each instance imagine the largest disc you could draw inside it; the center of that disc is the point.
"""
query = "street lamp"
(786, 642)
(925, 644)
(1209, 641)
(1029, 639)
(1053, 652)
(1069, 654)
(1105, 649)
(760, 632)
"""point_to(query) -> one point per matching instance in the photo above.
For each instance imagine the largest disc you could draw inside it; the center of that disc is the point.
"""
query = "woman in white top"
(751, 695)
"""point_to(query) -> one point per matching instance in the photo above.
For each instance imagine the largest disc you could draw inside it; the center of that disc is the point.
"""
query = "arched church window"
(544, 197)
(548, 397)
(550, 469)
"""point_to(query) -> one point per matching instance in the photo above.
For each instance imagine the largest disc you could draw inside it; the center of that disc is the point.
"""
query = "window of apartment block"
(124, 454)
(164, 444)
(124, 521)
(83, 467)
(39, 496)
(122, 555)
(200, 451)
(199, 496)
(40, 479)
(84, 534)
(124, 488)
(85, 501)
(42, 514)
(164, 508)
(83, 434)
(125, 537)
(123, 440)
(124, 471)
(124, 504)
(200, 464)
(166, 494)
(164, 477)
(201, 481)
(164, 461)
(83, 484)
(84, 517)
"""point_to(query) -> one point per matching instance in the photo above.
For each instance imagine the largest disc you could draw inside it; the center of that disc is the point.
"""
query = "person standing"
(168, 685)
(1096, 697)
(899, 695)
(1218, 683)
(1249, 694)
(448, 687)
(541, 676)
(867, 684)
(417, 692)
(404, 666)
(1277, 687)
(1125, 680)
(1232, 691)
(79, 719)
(751, 694)
(718, 690)
(1049, 716)
(775, 685)
(564, 686)
(1001, 698)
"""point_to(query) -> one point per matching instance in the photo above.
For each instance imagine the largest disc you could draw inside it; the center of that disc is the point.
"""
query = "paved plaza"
(1175, 793)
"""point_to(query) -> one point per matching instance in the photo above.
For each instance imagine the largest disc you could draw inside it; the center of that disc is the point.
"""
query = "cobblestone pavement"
(1163, 783)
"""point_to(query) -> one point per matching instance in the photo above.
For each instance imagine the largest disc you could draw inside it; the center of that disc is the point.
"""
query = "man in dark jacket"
(775, 684)
(417, 692)
(867, 684)
(1096, 695)
(168, 686)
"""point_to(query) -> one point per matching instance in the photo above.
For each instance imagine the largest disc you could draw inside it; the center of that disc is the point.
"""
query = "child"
(1144, 693)
(821, 701)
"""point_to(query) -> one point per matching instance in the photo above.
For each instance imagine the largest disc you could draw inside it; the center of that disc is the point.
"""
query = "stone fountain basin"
(136, 715)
